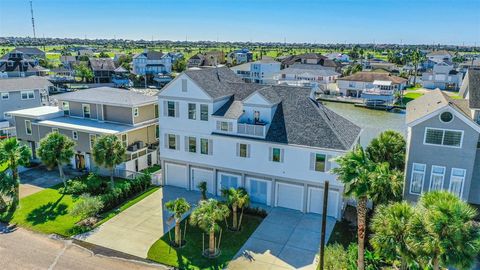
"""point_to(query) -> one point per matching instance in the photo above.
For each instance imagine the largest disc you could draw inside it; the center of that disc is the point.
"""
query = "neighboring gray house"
(443, 147)
(21, 93)
(86, 114)
(443, 76)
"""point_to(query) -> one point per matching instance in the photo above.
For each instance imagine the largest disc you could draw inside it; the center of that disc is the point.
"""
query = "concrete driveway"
(33, 180)
(134, 230)
(286, 239)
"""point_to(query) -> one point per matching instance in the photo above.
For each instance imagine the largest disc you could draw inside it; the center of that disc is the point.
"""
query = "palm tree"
(108, 151)
(55, 150)
(416, 56)
(202, 186)
(14, 154)
(386, 185)
(355, 171)
(206, 216)
(390, 226)
(389, 146)
(237, 199)
(178, 208)
(7, 189)
(444, 233)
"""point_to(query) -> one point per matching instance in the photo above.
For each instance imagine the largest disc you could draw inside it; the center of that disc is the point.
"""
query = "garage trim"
(309, 192)
(167, 164)
(302, 197)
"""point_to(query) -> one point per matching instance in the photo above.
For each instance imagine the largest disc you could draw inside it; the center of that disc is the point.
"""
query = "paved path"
(286, 239)
(22, 249)
(136, 229)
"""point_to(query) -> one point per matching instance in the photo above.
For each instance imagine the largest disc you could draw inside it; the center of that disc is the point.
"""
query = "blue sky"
(352, 21)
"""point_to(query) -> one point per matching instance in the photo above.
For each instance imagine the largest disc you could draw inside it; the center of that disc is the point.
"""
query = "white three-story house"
(275, 141)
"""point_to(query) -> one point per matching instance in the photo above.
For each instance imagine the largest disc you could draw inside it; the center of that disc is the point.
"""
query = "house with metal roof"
(85, 115)
(274, 140)
(443, 143)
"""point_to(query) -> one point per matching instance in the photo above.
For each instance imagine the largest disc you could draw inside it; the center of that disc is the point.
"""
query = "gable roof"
(364, 76)
(108, 96)
(471, 86)
(30, 50)
(102, 64)
(214, 81)
(150, 55)
(26, 83)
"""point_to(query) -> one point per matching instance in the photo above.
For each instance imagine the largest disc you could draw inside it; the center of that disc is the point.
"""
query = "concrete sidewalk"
(286, 239)
(134, 230)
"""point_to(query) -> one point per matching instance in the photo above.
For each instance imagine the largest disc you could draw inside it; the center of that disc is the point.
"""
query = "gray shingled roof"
(214, 80)
(365, 76)
(150, 55)
(472, 85)
(102, 64)
(109, 96)
(17, 84)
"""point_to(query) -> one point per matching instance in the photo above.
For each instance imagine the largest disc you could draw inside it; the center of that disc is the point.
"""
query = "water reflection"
(372, 121)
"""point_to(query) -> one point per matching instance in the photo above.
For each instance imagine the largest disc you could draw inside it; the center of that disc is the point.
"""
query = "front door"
(79, 161)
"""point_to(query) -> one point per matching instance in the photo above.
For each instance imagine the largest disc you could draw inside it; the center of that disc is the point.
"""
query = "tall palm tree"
(237, 199)
(390, 226)
(444, 233)
(389, 146)
(56, 150)
(416, 56)
(108, 151)
(355, 171)
(14, 155)
(206, 216)
(178, 208)
(386, 184)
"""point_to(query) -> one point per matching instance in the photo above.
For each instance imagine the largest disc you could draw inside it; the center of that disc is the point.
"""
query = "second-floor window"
(92, 138)
(66, 108)
(157, 132)
(451, 138)
(192, 111)
(457, 180)
(436, 178)
(206, 146)
(172, 141)
(156, 110)
(192, 144)
(28, 127)
(171, 109)
(243, 150)
(320, 162)
(124, 138)
(276, 154)
(86, 110)
(5, 96)
(418, 174)
(204, 112)
(27, 95)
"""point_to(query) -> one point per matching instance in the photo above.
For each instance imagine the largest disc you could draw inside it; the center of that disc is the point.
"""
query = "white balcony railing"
(251, 130)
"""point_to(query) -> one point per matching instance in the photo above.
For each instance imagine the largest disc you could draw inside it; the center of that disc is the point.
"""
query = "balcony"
(258, 129)
(138, 149)
(378, 92)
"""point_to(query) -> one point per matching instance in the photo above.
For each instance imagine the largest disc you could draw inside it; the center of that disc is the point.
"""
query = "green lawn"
(190, 256)
(152, 169)
(411, 96)
(46, 211)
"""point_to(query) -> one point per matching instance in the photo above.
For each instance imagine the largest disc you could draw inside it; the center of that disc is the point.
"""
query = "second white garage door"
(315, 201)
(289, 196)
(202, 175)
(176, 175)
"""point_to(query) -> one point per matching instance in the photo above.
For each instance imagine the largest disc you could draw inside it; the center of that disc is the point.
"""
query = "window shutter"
(238, 149)
(248, 150)
(327, 163)
(177, 142)
(230, 126)
(312, 161)
(270, 155)
(282, 154)
(165, 108)
(186, 143)
(177, 109)
(210, 147)
(166, 140)
(219, 125)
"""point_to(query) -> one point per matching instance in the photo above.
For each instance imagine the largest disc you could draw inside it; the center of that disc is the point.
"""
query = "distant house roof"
(364, 76)
(108, 96)
(102, 64)
(68, 58)
(150, 55)
(471, 87)
(30, 51)
(440, 52)
(298, 119)
(433, 101)
(315, 70)
(26, 83)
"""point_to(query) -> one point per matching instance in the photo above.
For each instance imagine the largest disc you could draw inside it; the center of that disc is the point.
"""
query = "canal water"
(371, 121)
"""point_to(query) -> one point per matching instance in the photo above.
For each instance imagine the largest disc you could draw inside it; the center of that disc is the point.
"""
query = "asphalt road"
(22, 249)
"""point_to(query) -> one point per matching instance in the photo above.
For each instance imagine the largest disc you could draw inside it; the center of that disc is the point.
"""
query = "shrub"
(88, 206)
(121, 193)
(335, 257)
(255, 211)
(92, 184)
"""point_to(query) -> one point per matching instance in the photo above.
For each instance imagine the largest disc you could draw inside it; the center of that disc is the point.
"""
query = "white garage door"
(202, 175)
(315, 201)
(176, 175)
(290, 196)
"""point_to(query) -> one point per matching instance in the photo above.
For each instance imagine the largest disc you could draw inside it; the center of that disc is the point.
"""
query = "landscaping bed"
(190, 256)
(50, 210)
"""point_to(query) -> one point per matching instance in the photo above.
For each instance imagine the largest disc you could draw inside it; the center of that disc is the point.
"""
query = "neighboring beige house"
(87, 114)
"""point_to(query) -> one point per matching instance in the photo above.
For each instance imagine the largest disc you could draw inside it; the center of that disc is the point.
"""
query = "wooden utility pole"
(324, 223)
